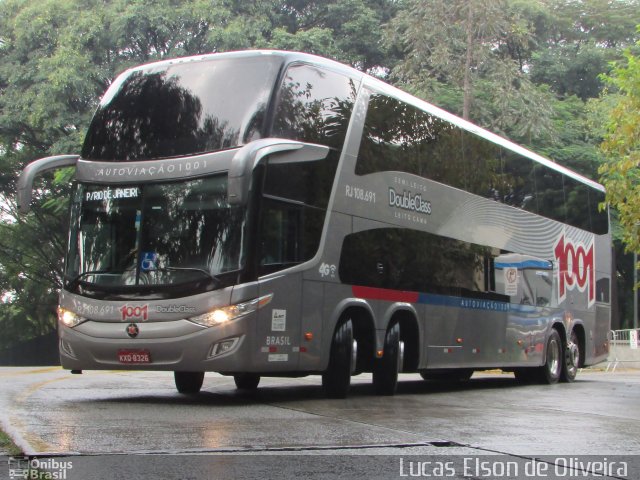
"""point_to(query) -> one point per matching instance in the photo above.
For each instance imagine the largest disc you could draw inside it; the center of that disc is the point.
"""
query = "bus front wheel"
(188, 382)
(246, 381)
(385, 370)
(337, 378)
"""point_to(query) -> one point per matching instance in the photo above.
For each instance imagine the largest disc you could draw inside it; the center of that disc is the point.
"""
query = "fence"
(624, 349)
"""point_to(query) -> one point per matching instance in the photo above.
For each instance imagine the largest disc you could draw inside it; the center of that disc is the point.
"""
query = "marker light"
(69, 318)
(231, 312)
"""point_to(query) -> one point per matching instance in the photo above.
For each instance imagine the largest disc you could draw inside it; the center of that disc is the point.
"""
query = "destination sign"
(112, 194)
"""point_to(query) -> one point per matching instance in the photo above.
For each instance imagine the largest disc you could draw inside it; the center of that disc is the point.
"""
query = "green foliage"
(603, 22)
(479, 49)
(7, 447)
(570, 71)
(576, 41)
(30, 272)
(573, 142)
(621, 146)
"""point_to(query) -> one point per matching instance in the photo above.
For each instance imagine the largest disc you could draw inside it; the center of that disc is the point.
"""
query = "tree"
(577, 40)
(471, 50)
(621, 172)
(347, 30)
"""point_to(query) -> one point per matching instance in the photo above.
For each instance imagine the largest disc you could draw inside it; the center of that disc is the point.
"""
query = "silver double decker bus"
(269, 213)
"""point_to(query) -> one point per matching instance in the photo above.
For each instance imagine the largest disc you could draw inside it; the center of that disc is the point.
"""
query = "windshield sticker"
(148, 261)
(511, 281)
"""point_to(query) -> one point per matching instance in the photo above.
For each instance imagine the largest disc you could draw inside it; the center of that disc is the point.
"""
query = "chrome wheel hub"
(573, 354)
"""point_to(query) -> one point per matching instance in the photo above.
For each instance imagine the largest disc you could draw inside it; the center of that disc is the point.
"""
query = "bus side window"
(293, 211)
(404, 259)
(400, 137)
(280, 236)
(518, 182)
(527, 280)
(550, 190)
(314, 105)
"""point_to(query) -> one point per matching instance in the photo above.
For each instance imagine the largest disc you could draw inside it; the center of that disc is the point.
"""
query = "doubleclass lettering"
(409, 201)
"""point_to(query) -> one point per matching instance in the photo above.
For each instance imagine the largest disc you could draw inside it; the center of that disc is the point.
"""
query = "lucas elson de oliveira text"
(478, 468)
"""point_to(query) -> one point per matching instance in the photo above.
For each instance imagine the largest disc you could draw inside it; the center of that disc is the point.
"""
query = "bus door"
(281, 246)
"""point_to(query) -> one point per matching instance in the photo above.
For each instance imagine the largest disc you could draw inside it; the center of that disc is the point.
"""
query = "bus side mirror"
(281, 152)
(25, 182)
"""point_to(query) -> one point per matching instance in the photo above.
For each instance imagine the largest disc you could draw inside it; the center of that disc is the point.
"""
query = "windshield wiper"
(209, 275)
(75, 280)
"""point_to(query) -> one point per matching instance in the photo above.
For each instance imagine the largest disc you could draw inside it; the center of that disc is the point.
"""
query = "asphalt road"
(135, 425)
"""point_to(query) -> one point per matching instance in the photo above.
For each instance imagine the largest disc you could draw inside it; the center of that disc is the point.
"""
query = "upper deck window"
(314, 105)
(400, 137)
(182, 109)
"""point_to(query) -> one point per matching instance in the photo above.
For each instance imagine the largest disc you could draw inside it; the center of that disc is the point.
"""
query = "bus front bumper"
(177, 345)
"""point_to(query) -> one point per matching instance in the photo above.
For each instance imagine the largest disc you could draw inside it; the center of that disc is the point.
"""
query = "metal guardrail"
(624, 348)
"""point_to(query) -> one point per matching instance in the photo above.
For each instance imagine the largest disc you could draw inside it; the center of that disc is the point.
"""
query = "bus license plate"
(134, 356)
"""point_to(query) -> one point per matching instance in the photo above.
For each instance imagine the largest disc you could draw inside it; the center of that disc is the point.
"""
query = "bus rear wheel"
(572, 359)
(385, 370)
(336, 379)
(550, 372)
(188, 382)
(246, 381)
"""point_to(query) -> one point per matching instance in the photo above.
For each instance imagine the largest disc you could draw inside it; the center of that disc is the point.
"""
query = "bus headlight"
(232, 312)
(69, 318)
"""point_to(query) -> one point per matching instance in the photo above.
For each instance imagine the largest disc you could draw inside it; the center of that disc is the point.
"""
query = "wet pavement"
(48, 411)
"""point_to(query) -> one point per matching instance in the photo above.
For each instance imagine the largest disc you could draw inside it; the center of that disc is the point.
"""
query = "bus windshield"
(134, 238)
(178, 109)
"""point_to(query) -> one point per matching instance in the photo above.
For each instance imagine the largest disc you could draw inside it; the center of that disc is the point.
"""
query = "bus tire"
(551, 371)
(188, 382)
(572, 359)
(336, 379)
(246, 381)
(385, 369)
